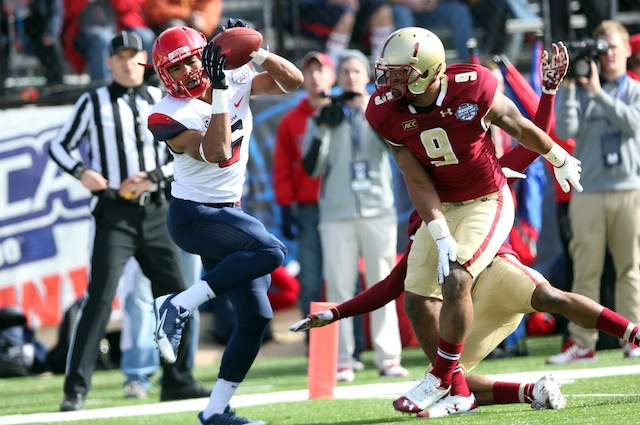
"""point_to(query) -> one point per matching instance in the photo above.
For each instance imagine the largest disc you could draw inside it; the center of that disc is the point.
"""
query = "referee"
(126, 172)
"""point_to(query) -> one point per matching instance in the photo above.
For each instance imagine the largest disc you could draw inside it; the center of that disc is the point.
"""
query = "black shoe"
(72, 402)
(180, 392)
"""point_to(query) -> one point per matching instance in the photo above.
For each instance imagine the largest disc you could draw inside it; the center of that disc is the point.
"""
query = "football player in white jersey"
(206, 122)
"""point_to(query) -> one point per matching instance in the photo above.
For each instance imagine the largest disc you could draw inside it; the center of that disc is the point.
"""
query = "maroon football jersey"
(451, 140)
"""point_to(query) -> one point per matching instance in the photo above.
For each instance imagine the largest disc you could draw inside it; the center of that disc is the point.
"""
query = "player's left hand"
(512, 174)
(568, 174)
(446, 252)
(553, 72)
(213, 64)
(315, 320)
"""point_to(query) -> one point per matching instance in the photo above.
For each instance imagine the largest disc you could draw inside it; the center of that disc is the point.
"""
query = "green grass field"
(603, 400)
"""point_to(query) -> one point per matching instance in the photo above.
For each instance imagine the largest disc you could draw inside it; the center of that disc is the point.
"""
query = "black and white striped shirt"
(118, 145)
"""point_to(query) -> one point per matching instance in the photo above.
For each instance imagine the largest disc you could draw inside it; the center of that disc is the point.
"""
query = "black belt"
(223, 204)
(144, 199)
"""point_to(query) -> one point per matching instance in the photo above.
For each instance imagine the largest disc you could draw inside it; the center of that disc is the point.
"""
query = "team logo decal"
(467, 111)
(447, 112)
(240, 75)
(408, 125)
(206, 120)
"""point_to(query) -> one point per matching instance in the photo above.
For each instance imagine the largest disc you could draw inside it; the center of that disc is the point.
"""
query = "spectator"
(89, 26)
(633, 63)
(339, 22)
(602, 113)
(433, 14)
(295, 191)
(127, 172)
(357, 213)
(202, 15)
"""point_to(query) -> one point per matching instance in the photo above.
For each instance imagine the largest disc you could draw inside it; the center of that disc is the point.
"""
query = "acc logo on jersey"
(409, 125)
(467, 111)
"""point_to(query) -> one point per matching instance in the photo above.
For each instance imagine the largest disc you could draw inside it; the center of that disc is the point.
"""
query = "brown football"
(238, 43)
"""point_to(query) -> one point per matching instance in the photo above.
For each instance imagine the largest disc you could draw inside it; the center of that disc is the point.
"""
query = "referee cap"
(125, 40)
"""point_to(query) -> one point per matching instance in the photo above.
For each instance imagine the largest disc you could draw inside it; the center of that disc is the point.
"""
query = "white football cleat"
(547, 394)
(426, 392)
(451, 405)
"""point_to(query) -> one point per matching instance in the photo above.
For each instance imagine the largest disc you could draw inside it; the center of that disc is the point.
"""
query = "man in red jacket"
(295, 191)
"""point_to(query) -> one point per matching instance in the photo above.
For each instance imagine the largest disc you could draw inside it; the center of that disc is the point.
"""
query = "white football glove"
(315, 320)
(512, 174)
(446, 246)
(567, 169)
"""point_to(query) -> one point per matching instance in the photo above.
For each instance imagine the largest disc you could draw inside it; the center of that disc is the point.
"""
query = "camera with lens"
(581, 53)
(332, 114)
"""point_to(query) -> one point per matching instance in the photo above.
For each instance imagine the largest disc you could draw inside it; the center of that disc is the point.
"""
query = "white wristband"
(438, 228)
(259, 56)
(556, 155)
(219, 102)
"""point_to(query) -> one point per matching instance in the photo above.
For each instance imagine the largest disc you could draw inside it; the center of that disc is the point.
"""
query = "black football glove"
(233, 23)
(213, 64)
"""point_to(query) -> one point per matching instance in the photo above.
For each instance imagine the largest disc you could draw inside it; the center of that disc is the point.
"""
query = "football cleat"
(572, 352)
(631, 351)
(451, 405)
(170, 321)
(227, 418)
(426, 392)
(547, 395)
(345, 374)
(394, 371)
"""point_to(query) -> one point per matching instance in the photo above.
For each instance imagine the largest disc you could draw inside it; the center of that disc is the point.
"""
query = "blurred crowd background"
(47, 46)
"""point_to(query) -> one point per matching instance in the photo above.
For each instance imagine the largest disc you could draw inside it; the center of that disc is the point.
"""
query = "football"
(238, 43)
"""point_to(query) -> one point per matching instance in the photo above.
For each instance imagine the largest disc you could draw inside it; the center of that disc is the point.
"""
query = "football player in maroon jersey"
(436, 120)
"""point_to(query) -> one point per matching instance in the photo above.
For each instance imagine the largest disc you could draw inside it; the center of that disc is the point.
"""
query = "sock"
(507, 392)
(336, 44)
(616, 325)
(192, 297)
(447, 358)
(220, 396)
(525, 393)
(459, 384)
(377, 39)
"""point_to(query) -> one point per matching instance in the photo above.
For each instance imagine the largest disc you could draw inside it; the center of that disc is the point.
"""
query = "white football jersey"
(200, 181)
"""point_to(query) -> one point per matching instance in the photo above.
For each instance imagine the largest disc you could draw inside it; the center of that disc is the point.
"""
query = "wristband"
(204, 158)
(438, 228)
(219, 102)
(259, 56)
(556, 155)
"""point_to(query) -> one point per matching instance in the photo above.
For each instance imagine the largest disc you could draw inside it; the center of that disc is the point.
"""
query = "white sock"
(220, 397)
(336, 44)
(192, 297)
(378, 37)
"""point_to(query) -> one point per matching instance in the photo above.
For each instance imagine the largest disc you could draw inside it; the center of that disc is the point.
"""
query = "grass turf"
(607, 400)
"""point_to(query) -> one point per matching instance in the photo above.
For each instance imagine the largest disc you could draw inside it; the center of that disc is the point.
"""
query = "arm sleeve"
(71, 135)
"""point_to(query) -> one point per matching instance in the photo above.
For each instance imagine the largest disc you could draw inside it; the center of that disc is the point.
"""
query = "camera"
(581, 53)
(332, 114)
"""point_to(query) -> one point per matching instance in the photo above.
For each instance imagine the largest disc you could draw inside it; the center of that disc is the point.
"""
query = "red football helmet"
(172, 46)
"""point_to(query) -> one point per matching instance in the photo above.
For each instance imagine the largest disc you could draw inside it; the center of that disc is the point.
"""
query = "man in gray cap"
(357, 213)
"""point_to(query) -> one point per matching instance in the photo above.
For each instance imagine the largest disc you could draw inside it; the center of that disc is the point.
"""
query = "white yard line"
(347, 392)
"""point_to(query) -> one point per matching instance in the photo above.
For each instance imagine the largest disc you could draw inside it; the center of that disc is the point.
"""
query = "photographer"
(602, 113)
(357, 213)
